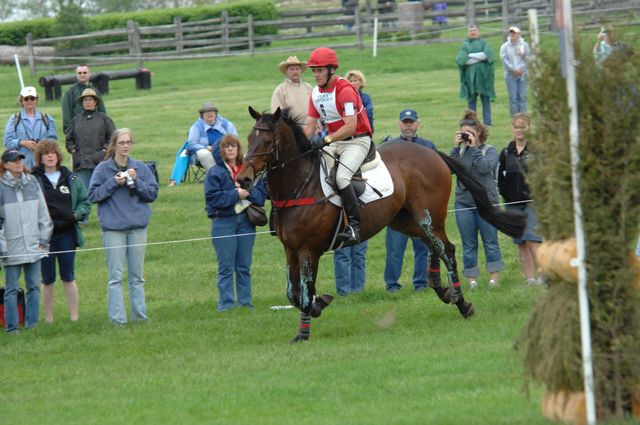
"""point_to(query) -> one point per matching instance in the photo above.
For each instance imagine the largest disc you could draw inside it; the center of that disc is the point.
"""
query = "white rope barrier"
(210, 238)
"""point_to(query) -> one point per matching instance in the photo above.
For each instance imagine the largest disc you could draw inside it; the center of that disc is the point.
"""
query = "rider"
(338, 104)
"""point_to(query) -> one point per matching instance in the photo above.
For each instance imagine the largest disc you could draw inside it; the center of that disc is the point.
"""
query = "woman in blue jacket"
(232, 233)
(123, 188)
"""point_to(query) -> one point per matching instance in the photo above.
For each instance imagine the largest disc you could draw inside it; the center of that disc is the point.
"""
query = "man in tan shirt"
(292, 93)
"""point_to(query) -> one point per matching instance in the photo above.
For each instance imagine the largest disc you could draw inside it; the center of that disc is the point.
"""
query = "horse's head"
(262, 149)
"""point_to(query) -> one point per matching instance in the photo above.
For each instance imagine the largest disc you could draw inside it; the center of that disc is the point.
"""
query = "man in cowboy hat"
(88, 135)
(292, 93)
(70, 108)
(206, 133)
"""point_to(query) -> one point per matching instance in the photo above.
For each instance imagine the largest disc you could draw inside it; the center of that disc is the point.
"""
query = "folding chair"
(195, 172)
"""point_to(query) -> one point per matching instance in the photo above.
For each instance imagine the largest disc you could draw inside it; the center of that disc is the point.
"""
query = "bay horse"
(305, 221)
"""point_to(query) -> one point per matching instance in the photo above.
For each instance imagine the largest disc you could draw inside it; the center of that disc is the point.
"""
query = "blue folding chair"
(186, 167)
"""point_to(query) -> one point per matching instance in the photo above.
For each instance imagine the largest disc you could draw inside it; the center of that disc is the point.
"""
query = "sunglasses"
(82, 73)
(229, 147)
(29, 98)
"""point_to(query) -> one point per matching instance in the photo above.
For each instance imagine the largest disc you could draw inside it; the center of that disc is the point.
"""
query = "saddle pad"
(378, 177)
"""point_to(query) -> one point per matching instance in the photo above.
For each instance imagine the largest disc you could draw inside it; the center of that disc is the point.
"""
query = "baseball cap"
(11, 155)
(408, 114)
(514, 29)
(28, 91)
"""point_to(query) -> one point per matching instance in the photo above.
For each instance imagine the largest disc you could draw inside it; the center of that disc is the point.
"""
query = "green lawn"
(374, 358)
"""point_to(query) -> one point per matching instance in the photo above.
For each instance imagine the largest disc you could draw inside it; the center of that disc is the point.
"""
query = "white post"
(534, 34)
(574, 140)
(15, 57)
(375, 36)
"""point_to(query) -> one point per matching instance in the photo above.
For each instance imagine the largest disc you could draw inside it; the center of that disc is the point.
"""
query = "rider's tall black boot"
(351, 234)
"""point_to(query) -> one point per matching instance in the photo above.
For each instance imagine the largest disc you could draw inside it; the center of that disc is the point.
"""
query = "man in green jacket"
(475, 63)
(70, 106)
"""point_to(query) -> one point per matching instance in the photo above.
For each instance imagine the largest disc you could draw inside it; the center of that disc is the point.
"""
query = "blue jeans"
(517, 89)
(469, 224)
(349, 265)
(396, 243)
(486, 108)
(234, 255)
(85, 177)
(125, 246)
(32, 280)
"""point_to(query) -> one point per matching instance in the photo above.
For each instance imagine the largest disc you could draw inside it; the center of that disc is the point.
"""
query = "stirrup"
(348, 237)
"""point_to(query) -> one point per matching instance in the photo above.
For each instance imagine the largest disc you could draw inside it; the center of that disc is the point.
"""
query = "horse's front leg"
(305, 296)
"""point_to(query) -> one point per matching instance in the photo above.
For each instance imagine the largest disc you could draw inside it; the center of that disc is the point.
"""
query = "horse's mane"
(296, 127)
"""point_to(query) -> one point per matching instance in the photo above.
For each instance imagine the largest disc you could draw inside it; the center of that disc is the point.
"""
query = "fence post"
(250, 33)
(133, 31)
(358, 25)
(225, 31)
(309, 28)
(30, 55)
(469, 11)
(177, 22)
(505, 14)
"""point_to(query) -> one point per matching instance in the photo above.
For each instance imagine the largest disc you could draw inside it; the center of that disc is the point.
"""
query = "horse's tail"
(510, 223)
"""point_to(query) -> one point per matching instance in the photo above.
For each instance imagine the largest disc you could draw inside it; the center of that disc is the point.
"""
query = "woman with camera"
(67, 201)
(232, 232)
(123, 188)
(482, 159)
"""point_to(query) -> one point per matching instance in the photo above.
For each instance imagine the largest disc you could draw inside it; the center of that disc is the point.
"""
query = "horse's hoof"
(466, 309)
(299, 338)
(319, 304)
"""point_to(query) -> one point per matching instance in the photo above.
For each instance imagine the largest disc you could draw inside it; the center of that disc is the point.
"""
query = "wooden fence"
(411, 22)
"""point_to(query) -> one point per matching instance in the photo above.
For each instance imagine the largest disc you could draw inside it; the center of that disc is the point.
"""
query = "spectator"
(123, 188)
(475, 63)
(67, 202)
(514, 54)
(514, 190)
(349, 8)
(396, 242)
(292, 93)
(70, 106)
(26, 128)
(481, 158)
(358, 81)
(24, 237)
(603, 47)
(206, 132)
(350, 263)
(440, 11)
(384, 7)
(88, 136)
(233, 235)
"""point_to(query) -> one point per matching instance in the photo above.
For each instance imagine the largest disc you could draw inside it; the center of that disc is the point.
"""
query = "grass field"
(374, 358)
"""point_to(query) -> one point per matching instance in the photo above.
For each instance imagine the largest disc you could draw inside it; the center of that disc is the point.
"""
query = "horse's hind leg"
(434, 280)
(445, 250)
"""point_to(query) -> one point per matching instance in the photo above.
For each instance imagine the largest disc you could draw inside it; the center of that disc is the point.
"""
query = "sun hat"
(514, 29)
(89, 93)
(208, 107)
(11, 155)
(291, 60)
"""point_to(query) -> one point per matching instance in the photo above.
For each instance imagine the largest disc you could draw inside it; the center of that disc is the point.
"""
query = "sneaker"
(493, 283)
(532, 281)
(473, 284)
(172, 183)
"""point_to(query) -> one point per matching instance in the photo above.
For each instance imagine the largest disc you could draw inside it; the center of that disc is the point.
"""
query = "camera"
(465, 137)
(130, 183)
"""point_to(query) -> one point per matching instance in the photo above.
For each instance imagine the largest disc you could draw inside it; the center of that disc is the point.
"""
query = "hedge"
(14, 33)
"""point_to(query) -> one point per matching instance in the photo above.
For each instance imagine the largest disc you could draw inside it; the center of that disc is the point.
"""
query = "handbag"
(256, 215)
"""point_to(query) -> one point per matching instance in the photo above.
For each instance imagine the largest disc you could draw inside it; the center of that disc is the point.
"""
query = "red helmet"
(323, 56)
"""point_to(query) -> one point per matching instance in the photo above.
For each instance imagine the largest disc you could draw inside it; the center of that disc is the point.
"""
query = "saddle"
(371, 161)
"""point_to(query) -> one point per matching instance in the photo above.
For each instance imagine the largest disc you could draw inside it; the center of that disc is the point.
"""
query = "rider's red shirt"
(336, 101)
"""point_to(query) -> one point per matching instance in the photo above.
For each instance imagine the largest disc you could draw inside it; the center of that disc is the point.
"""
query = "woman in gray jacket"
(24, 236)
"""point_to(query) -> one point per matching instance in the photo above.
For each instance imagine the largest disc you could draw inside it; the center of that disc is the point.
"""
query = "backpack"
(485, 147)
(18, 118)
